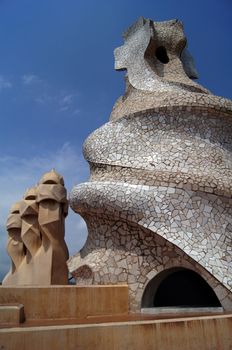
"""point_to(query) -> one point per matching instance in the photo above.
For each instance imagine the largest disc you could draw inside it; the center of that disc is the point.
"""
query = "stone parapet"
(212, 332)
(66, 302)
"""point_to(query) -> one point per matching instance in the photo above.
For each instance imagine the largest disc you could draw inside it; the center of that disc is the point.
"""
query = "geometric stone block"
(65, 302)
(11, 314)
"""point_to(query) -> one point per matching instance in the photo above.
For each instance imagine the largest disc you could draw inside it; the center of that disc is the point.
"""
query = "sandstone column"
(30, 233)
(36, 230)
(53, 208)
(15, 246)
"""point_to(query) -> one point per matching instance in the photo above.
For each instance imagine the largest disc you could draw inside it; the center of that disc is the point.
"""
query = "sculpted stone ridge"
(30, 229)
(15, 246)
(185, 149)
(135, 102)
(159, 194)
(149, 206)
(36, 235)
(52, 177)
(160, 70)
(155, 56)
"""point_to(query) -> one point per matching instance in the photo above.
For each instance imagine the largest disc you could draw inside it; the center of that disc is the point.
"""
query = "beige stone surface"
(15, 246)
(206, 333)
(36, 230)
(11, 314)
(53, 208)
(30, 228)
(67, 302)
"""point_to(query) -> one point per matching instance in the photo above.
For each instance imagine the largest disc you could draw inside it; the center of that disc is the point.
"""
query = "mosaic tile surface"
(159, 194)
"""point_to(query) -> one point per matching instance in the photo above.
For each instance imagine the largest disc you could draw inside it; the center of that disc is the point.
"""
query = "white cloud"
(77, 111)
(44, 99)
(17, 174)
(44, 93)
(58, 100)
(30, 79)
(67, 99)
(67, 102)
(4, 83)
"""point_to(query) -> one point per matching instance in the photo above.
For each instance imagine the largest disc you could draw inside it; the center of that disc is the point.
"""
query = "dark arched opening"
(179, 288)
(161, 54)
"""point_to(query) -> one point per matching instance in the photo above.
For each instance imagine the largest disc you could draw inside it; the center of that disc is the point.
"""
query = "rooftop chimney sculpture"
(158, 200)
(36, 235)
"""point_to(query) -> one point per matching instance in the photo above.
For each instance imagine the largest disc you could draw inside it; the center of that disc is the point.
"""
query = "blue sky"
(57, 82)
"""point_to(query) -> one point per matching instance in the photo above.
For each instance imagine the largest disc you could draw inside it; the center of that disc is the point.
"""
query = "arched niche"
(83, 275)
(179, 288)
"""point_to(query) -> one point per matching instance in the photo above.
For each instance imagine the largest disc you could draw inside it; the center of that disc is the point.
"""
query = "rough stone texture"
(66, 302)
(155, 57)
(184, 333)
(120, 249)
(11, 314)
(15, 246)
(159, 194)
(53, 208)
(36, 235)
(30, 227)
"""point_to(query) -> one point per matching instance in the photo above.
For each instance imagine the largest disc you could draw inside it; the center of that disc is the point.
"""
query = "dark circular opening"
(30, 197)
(181, 288)
(161, 54)
(49, 182)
